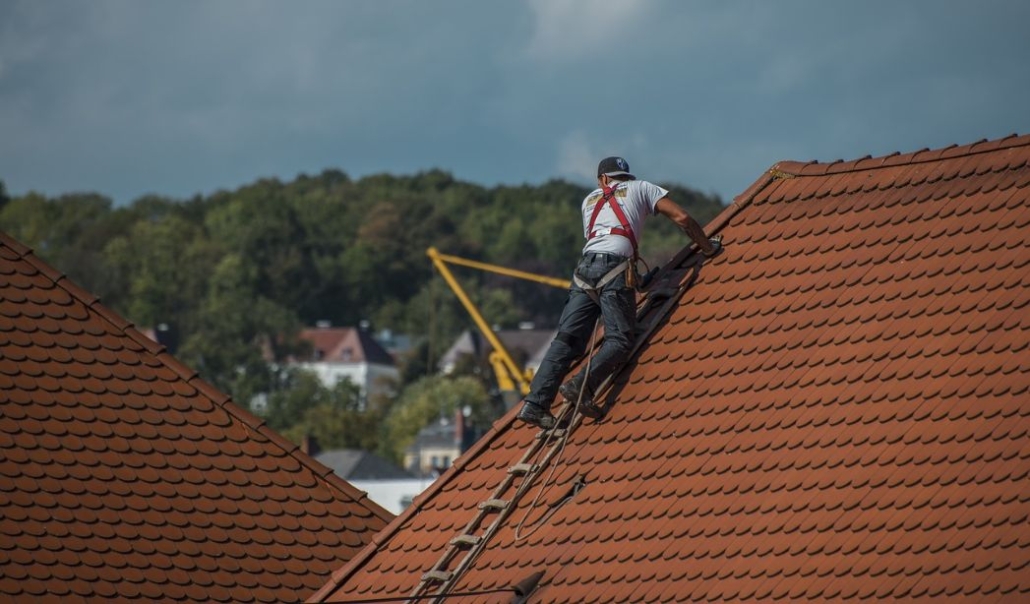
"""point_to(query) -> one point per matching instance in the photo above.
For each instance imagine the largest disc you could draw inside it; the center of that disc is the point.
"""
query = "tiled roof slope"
(836, 408)
(125, 477)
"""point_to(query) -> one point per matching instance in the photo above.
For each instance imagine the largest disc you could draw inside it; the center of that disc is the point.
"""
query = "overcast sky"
(178, 97)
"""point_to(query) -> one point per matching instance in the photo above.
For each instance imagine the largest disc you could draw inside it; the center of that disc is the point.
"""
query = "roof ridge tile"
(791, 169)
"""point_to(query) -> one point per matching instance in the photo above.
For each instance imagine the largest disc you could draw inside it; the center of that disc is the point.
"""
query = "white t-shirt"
(637, 198)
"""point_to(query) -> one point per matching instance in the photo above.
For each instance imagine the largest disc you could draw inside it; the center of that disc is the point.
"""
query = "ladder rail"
(474, 524)
(523, 487)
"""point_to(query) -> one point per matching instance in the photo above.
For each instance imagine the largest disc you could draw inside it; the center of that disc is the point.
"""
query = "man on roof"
(603, 284)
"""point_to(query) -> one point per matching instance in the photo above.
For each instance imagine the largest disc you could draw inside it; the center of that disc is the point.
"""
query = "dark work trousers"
(617, 307)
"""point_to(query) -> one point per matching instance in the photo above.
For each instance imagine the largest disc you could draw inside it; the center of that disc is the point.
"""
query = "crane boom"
(501, 359)
(510, 272)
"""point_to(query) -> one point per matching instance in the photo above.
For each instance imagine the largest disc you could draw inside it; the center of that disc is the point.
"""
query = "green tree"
(428, 400)
(375, 261)
(70, 233)
(30, 219)
(170, 263)
(260, 227)
(296, 393)
(239, 331)
(320, 206)
(336, 417)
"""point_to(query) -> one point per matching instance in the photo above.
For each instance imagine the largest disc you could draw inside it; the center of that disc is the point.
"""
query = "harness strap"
(592, 290)
(625, 230)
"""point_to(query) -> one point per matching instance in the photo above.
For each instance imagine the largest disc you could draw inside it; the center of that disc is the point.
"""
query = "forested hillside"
(238, 270)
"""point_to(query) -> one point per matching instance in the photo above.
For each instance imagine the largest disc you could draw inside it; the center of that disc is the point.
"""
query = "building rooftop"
(355, 464)
(836, 407)
(345, 345)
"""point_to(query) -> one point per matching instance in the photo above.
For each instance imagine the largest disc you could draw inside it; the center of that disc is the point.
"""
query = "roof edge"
(190, 376)
(924, 155)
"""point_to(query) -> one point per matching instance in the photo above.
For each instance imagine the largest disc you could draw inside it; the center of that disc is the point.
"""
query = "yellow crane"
(509, 375)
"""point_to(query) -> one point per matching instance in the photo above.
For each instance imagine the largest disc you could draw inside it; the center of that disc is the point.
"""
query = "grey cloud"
(127, 97)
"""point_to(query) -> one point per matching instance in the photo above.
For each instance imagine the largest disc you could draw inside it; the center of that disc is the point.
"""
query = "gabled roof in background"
(436, 434)
(520, 343)
(837, 407)
(124, 476)
(355, 464)
(525, 342)
(345, 345)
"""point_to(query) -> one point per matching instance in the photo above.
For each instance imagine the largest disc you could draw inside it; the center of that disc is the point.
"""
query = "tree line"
(236, 275)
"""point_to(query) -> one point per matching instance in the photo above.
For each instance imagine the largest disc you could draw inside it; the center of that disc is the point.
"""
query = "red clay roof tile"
(127, 477)
(835, 409)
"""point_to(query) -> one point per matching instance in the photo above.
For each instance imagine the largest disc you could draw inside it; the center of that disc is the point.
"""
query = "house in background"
(164, 334)
(356, 464)
(397, 345)
(125, 477)
(348, 353)
(439, 444)
(394, 494)
(525, 345)
(835, 408)
(385, 483)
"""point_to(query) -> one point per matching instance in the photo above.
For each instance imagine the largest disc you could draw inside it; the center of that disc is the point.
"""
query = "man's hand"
(716, 244)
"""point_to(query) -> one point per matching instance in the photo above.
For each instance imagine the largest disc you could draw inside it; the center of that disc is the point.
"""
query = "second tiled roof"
(125, 477)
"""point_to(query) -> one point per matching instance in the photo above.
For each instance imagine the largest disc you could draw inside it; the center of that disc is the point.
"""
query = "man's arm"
(672, 210)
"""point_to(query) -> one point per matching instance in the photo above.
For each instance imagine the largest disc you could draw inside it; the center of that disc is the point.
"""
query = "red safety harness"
(625, 230)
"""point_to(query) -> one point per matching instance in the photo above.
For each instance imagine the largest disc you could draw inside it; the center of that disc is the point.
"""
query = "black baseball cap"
(614, 166)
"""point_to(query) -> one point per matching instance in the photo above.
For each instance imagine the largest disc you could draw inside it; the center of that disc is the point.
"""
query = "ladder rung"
(466, 540)
(473, 543)
(555, 432)
(493, 504)
(437, 575)
(522, 468)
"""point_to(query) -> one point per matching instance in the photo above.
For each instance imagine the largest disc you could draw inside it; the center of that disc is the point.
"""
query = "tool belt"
(593, 289)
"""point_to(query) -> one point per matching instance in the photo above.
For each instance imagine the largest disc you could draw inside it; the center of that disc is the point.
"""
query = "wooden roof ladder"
(493, 511)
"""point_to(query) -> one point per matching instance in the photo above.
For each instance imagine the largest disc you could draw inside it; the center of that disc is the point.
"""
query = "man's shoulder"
(649, 189)
(641, 184)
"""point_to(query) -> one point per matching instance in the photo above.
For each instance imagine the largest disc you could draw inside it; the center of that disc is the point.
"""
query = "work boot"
(591, 409)
(570, 392)
(536, 415)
